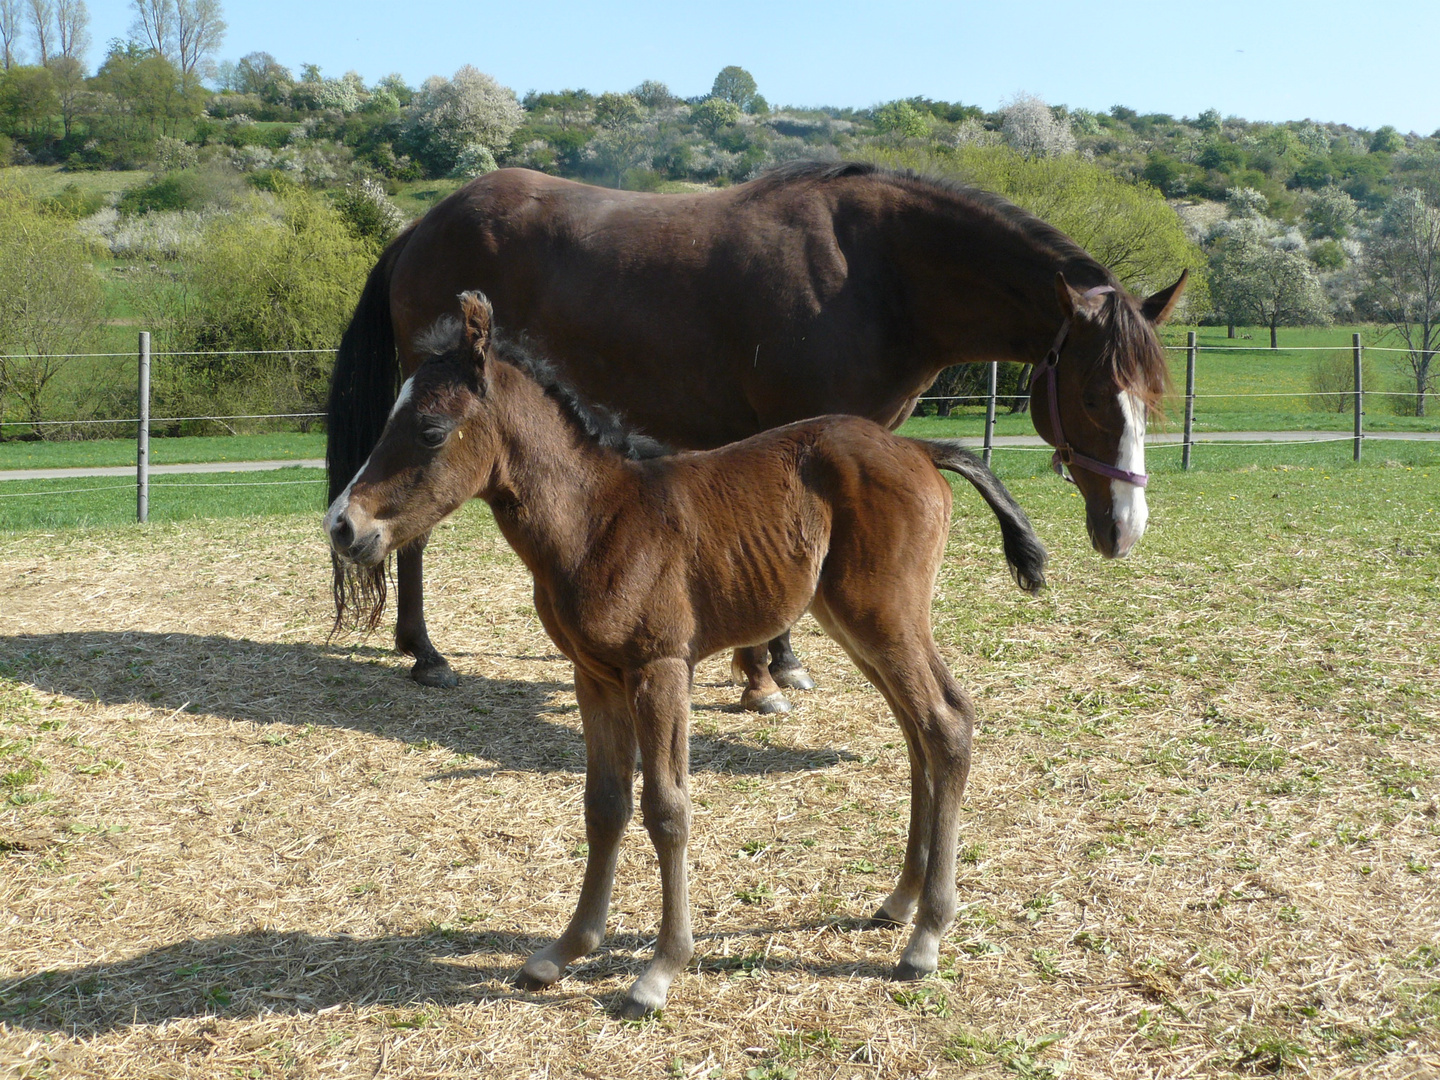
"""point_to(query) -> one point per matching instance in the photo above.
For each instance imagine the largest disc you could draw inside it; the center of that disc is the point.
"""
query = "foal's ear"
(477, 318)
(1157, 308)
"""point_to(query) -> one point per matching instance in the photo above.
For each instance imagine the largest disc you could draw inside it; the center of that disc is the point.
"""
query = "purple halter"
(1065, 454)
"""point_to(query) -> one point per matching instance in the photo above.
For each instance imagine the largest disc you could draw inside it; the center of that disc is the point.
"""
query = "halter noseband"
(1065, 454)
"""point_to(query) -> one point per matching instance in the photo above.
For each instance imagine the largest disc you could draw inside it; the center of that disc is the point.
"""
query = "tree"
(72, 29)
(1255, 281)
(199, 29)
(155, 25)
(736, 85)
(11, 20)
(1403, 257)
(1330, 213)
(261, 74)
(1386, 141)
(42, 14)
(28, 100)
(713, 114)
(51, 302)
(653, 95)
(68, 78)
(902, 120)
(1031, 127)
(448, 115)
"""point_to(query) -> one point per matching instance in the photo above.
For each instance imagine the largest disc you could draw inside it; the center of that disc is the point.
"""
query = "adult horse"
(705, 318)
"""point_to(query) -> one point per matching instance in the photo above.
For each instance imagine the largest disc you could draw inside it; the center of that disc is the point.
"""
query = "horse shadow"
(512, 722)
(266, 972)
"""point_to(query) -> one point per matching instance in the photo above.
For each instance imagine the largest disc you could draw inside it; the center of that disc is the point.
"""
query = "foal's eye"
(433, 436)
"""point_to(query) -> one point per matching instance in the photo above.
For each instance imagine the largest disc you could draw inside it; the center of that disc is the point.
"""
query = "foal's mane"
(599, 425)
(1131, 350)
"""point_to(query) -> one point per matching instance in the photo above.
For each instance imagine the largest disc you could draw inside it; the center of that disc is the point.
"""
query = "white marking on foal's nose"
(1127, 501)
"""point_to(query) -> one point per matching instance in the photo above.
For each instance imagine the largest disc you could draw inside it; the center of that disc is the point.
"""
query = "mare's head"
(436, 452)
(1090, 398)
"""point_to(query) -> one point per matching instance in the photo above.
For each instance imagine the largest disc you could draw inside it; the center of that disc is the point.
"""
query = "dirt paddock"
(1201, 833)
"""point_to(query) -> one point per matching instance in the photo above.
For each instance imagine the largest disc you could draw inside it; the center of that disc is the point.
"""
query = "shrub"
(282, 275)
(75, 204)
(1333, 375)
(182, 190)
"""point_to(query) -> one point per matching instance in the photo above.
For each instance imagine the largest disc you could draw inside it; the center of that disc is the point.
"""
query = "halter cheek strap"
(1065, 454)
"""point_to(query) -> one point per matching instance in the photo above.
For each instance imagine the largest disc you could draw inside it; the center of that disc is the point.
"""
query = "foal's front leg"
(431, 669)
(660, 698)
(609, 800)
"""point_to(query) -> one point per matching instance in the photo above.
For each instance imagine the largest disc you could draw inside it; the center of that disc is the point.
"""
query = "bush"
(75, 204)
(1333, 375)
(281, 275)
(181, 190)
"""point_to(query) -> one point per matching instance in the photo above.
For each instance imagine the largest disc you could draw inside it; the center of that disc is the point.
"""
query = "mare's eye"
(433, 435)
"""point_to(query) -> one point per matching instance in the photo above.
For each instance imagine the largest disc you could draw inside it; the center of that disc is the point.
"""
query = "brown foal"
(645, 563)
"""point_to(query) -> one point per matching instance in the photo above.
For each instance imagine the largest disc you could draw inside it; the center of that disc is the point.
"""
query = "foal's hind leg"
(609, 799)
(898, 655)
(760, 694)
(431, 669)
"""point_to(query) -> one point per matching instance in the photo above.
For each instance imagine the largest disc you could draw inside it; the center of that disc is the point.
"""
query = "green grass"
(95, 453)
(415, 197)
(110, 501)
(47, 180)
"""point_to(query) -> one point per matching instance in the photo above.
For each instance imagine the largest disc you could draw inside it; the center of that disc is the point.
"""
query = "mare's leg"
(785, 666)
(897, 653)
(431, 669)
(660, 696)
(609, 799)
(760, 694)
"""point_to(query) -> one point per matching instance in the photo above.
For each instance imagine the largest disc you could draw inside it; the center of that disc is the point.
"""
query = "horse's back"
(702, 317)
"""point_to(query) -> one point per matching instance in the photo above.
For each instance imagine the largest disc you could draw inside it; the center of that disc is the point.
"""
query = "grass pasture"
(1201, 834)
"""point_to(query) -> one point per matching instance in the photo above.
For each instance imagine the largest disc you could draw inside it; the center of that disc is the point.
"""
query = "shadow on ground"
(507, 721)
(265, 972)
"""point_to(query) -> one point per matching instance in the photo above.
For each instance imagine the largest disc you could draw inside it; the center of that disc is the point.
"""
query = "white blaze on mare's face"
(1127, 501)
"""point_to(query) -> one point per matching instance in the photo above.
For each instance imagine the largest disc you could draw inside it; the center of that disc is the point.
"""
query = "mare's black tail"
(1023, 549)
(362, 392)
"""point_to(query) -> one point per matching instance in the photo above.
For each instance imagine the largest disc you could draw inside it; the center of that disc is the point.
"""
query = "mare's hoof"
(630, 1009)
(435, 674)
(795, 678)
(908, 972)
(773, 703)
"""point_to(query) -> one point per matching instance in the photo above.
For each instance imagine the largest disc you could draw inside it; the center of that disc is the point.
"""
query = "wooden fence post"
(990, 411)
(1359, 394)
(1189, 398)
(142, 435)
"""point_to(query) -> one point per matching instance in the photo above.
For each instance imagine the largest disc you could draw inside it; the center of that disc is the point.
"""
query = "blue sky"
(1364, 65)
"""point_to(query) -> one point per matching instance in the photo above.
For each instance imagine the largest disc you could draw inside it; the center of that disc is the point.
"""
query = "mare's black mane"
(600, 425)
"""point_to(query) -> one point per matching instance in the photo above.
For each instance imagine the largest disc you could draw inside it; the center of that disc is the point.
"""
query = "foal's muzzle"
(364, 546)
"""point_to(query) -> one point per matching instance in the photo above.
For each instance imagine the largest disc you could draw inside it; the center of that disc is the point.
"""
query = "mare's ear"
(477, 318)
(1157, 308)
(1065, 295)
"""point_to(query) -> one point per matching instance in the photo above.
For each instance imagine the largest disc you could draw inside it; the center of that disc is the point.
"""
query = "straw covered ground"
(1201, 834)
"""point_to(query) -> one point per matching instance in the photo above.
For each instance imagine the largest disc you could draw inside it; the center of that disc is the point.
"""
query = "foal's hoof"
(794, 678)
(537, 975)
(905, 971)
(883, 920)
(770, 704)
(431, 673)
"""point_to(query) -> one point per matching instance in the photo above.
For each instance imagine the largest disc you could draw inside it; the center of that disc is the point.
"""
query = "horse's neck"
(1001, 284)
(547, 479)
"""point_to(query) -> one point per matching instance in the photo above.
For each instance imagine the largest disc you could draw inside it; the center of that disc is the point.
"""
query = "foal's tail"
(1023, 549)
(362, 391)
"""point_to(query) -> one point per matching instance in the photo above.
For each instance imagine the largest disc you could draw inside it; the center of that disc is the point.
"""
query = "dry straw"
(1192, 847)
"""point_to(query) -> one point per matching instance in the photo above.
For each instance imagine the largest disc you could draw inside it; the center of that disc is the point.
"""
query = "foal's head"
(436, 451)
(1090, 399)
